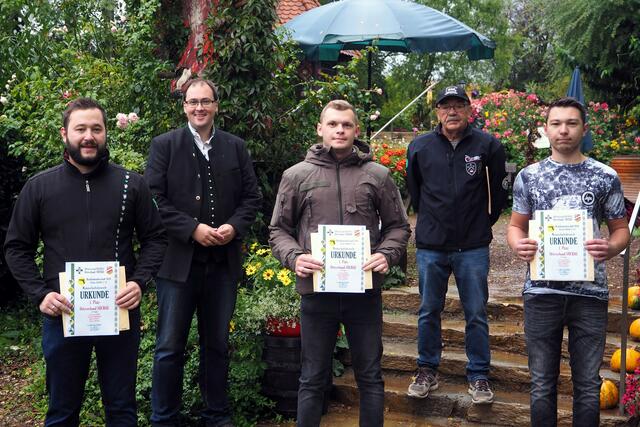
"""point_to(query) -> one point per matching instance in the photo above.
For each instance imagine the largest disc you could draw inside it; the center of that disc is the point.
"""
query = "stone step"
(506, 335)
(408, 299)
(451, 400)
(348, 416)
(509, 372)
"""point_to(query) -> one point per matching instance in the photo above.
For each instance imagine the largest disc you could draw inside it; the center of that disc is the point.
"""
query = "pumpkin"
(608, 395)
(633, 295)
(634, 329)
(632, 360)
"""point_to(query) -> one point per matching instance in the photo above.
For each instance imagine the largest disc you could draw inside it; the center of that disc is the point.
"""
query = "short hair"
(340, 105)
(199, 81)
(569, 102)
(82, 104)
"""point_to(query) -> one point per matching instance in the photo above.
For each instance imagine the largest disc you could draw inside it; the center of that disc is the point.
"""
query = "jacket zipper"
(339, 192)
(89, 225)
(452, 166)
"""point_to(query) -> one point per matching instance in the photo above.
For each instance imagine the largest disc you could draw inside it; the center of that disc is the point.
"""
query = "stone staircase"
(450, 405)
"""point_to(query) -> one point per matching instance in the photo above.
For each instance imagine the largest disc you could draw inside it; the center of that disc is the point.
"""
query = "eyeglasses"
(456, 107)
(205, 102)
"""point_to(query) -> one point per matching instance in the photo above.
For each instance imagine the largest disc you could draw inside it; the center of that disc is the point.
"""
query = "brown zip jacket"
(353, 191)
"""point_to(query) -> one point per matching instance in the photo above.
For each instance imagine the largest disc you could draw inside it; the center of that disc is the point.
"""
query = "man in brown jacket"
(338, 183)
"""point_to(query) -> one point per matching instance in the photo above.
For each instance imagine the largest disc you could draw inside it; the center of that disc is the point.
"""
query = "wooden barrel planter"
(628, 169)
(280, 380)
(282, 355)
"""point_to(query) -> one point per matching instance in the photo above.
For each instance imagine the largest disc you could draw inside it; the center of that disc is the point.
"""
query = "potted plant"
(277, 304)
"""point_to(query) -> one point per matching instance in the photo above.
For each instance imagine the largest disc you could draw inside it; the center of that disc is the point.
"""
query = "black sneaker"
(424, 381)
(481, 392)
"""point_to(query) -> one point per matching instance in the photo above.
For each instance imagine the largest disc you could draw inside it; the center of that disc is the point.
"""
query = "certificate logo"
(109, 270)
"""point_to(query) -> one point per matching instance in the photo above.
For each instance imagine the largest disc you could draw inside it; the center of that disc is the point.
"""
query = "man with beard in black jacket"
(86, 209)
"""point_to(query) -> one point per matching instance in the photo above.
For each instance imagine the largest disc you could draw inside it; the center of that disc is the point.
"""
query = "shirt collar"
(198, 139)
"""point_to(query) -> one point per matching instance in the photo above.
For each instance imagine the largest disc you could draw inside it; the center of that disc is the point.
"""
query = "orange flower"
(385, 160)
(401, 165)
(385, 146)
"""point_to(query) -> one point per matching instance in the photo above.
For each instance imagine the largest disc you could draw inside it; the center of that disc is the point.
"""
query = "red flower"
(385, 160)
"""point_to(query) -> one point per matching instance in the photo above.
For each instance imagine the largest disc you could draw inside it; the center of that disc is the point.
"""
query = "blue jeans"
(320, 317)
(544, 319)
(211, 293)
(67, 368)
(470, 269)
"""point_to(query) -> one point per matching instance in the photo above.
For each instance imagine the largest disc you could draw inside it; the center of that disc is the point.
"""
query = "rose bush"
(513, 117)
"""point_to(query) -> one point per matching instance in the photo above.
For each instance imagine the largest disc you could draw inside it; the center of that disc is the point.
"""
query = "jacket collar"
(320, 155)
(102, 164)
(468, 130)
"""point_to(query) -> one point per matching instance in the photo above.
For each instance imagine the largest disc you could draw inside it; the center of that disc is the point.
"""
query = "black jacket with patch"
(449, 189)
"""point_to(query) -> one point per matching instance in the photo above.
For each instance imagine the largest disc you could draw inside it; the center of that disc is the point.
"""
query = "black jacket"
(173, 175)
(449, 189)
(78, 218)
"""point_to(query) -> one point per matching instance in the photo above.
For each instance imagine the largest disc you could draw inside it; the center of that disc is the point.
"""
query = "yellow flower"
(263, 251)
(268, 274)
(232, 326)
(253, 246)
(250, 270)
(283, 277)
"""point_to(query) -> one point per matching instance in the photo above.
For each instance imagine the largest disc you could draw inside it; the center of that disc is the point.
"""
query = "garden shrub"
(510, 116)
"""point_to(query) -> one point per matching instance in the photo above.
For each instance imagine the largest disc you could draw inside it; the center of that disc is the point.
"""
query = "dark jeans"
(470, 268)
(320, 316)
(210, 292)
(68, 361)
(544, 319)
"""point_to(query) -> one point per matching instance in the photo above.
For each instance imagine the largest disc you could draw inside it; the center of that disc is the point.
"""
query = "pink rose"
(133, 117)
(122, 120)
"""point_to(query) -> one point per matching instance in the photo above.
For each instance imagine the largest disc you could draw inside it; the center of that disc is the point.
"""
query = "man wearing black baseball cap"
(457, 180)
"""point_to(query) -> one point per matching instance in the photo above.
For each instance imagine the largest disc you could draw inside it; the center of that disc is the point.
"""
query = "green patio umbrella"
(390, 25)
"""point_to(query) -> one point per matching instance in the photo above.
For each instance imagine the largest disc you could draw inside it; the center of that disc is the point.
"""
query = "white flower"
(3, 100)
(373, 117)
(13, 77)
(378, 91)
(133, 117)
(113, 29)
(64, 29)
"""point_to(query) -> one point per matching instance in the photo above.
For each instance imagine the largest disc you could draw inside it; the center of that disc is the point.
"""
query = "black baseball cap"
(452, 92)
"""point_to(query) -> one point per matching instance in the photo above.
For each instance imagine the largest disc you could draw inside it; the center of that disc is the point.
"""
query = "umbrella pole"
(623, 329)
(369, 68)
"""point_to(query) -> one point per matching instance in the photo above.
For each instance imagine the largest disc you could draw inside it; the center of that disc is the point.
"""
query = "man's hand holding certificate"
(341, 259)
(562, 252)
(99, 298)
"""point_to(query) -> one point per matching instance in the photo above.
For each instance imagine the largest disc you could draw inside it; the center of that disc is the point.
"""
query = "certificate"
(343, 249)
(91, 287)
(561, 253)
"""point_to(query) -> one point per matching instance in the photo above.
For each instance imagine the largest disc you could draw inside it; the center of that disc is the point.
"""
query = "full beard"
(76, 155)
